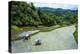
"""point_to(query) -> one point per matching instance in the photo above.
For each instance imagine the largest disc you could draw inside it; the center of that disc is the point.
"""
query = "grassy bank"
(76, 34)
(15, 31)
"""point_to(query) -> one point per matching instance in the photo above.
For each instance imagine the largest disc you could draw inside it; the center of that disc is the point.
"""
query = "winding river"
(58, 39)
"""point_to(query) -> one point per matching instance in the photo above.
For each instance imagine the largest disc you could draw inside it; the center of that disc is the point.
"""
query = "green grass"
(46, 29)
(41, 28)
(76, 34)
(15, 32)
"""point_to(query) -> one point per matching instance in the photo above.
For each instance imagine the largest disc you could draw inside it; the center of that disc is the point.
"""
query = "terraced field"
(58, 39)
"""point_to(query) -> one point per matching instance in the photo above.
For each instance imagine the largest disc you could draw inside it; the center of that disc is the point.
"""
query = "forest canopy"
(26, 14)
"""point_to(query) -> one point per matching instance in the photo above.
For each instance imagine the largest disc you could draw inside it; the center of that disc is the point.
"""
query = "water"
(58, 39)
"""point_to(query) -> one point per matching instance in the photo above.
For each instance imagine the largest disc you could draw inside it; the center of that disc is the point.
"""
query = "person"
(38, 41)
(26, 37)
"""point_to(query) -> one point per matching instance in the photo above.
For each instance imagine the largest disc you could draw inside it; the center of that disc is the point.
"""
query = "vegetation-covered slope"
(23, 13)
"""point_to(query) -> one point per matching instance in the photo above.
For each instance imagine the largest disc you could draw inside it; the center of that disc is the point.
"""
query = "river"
(58, 39)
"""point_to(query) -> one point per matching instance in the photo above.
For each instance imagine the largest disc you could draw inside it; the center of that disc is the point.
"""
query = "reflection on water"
(59, 39)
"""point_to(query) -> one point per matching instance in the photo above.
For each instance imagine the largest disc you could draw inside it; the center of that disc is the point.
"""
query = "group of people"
(38, 41)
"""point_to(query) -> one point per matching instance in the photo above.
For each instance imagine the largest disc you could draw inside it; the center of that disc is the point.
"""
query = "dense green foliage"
(26, 14)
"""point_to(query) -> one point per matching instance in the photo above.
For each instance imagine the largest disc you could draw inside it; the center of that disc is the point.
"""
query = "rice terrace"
(42, 26)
